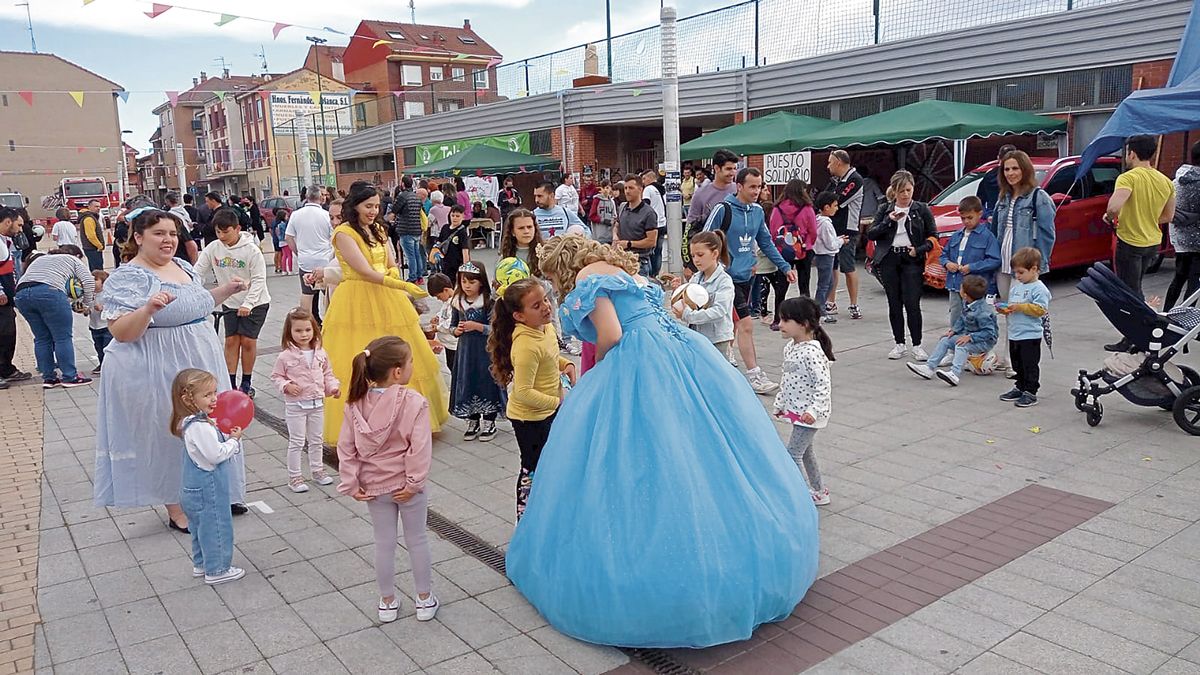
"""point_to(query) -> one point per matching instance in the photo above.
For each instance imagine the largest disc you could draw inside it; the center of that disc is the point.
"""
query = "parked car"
(1082, 237)
(268, 204)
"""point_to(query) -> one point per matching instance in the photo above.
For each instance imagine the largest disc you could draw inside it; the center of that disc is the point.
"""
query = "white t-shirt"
(313, 230)
(568, 197)
(65, 232)
(901, 238)
(652, 197)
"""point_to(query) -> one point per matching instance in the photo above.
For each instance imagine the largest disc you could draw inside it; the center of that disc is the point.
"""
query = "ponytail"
(373, 363)
(823, 338)
(714, 240)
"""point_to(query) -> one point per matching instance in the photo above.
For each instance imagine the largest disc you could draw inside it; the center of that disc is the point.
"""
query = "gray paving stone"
(268, 552)
(93, 533)
(586, 658)
(66, 599)
(313, 543)
(249, 527)
(1128, 624)
(873, 655)
(41, 653)
(107, 558)
(994, 664)
(122, 586)
(256, 668)
(314, 659)
(106, 663)
(1077, 558)
(166, 655)
(1157, 607)
(1051, 573)
(288, 520)
(331, 615)
(1048, 657)
(1191, 652)
(1177, 667)
(277, 631)
(344, 569)
(171, 575)
(135, 525)
(1101, 544)
(471, 575)
(467, 664)
(521, 655)
(425, 642)
(328, 512)
(964, 624)
(929, 644)
(1025, 589)
(139, 621)
(52, 540)
(836, 665)
(60, 567)
(164, 545)
(297, 581)
(252, 593)
(221, 646)
(75, 637)
(477, 625)
(196, 607)
(363, 652)
(1098, 644)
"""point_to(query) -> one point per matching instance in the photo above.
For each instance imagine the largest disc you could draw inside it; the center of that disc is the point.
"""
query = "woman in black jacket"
(903, 232)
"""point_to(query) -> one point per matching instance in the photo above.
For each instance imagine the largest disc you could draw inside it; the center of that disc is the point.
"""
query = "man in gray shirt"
(637, 224)
(706, 197)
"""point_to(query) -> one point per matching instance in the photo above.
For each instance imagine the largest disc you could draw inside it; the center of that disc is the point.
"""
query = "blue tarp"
(1175, 107)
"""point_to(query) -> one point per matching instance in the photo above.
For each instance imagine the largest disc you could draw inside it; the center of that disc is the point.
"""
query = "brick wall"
(584, 139)
(1175, 147)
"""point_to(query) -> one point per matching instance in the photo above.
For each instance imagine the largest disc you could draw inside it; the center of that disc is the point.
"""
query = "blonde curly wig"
(563, 256)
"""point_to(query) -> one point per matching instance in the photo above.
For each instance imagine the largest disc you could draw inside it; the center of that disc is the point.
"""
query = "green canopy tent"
(767, 134)
(484, 159)
(932, 120)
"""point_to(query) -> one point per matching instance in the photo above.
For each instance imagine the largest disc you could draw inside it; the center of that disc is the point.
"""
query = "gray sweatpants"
(384, 516)
(800, 446)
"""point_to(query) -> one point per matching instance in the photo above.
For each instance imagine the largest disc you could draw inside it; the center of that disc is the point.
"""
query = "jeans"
(413, 256)
(1187, 271)
(1131, 262)
(8, 339)
(205, 499)
(385, 514)
(943, 347)
(100, 339)
(645, 268)
(824, 265)
(304, 429)
(800, 447)
(956, 307)
(656, 255)
(49, 315)
(95, 260)
(903, 278)
(1025, 357)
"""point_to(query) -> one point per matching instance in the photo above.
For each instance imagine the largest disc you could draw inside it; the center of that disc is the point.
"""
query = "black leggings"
(803, 269)
(903, 278)
(778, 281)
(1187, 271)
(531, 438)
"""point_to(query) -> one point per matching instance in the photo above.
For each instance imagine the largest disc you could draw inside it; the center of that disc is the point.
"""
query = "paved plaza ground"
(964, 535)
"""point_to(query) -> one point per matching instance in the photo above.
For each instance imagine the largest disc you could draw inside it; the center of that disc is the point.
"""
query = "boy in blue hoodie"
(742, 221)
(971, 250)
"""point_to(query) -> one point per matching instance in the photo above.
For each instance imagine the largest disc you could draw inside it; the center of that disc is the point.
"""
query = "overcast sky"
(115, 39)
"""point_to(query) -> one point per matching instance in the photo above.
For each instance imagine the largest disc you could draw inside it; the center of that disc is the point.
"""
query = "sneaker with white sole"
(322, 478)
(918, 353)
(820, 498)
(854, 312)
(831, 308)
(829, 318)
(472, 431)
(760, 383)
(920, 370)
(427, 608)
(1010, 374)
(297, 484)
(197, 572)
(947, 360)
(487, 431)
(948, 377)
(898, 352)
(1027, 400)
(388, 611)
(1012, 395)
(231, 574)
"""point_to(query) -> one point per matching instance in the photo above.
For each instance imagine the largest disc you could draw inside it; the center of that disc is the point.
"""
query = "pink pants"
(588, 359)
(305, 428)
(386, 514)
(285, 258)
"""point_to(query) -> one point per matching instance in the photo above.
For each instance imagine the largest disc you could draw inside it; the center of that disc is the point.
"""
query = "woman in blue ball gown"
(665, 510)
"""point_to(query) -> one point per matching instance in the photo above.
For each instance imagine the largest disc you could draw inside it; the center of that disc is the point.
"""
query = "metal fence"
(764, 32)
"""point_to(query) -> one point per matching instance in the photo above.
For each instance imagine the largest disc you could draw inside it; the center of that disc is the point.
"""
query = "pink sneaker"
(820, 498)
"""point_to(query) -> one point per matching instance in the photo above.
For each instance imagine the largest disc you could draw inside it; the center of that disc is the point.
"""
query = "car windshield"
(968, 186)
(84, 189)
(12, 201)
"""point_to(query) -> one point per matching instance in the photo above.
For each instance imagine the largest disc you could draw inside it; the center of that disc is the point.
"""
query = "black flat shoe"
(171, 525)
(238, 509)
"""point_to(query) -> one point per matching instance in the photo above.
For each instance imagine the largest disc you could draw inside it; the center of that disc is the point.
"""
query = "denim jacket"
(1028, 230)
(978, 320)
(982, 254)
(715, 320)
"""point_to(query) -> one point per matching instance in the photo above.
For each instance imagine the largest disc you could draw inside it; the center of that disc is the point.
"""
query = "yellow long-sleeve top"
(536, 373)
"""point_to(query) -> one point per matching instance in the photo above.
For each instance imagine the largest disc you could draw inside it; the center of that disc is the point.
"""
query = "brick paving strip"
(20, 510)
(865, 597)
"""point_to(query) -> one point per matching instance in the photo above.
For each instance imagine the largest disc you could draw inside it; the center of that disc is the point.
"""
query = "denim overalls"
(205, 499)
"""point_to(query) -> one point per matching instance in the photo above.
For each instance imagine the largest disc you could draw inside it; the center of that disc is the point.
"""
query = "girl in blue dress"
(474, 395)
(666, 511)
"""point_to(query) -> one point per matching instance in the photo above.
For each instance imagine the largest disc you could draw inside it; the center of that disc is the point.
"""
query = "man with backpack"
(744, 224)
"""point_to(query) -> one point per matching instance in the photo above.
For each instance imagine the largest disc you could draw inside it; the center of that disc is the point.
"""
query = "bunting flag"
(156, 10)
(79, 150)
(381, 42)
(333, 30)
(26, 96)
(460, 57)
(494, 61)
(278, 28)
(637, 92)
(220, 95)
(398, 94)
(225, 18)
(78, 96)
(316, 97)
(173, 97)
(87, 2)
(103, 149)
(266, 95)
(124, 95)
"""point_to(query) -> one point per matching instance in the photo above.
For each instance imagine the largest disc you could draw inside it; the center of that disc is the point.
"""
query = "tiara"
(470, 268)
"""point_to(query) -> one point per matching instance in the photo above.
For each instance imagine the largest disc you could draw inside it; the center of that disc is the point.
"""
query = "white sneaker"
(297, 484)
(322, 478)
(427, 608)
(920, 370)
(820, 498)
(760, 383)
(231, 574)
(197, 572)
(898, 352)
(1010, 374)
(947, 360)
(948, 377)
(919, 354)
(389, 611)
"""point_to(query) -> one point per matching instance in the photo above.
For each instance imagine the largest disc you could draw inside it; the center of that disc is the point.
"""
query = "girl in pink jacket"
(303, 375)
(384, 449)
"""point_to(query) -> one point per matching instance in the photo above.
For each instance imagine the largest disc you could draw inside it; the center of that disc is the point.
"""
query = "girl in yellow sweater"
(524, 351)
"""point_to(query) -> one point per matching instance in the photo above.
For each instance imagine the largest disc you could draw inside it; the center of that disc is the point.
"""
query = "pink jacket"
(385, 444)
(316, 381)
(802, 219)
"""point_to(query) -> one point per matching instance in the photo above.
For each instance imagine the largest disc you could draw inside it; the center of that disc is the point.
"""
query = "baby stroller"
(1148, 379)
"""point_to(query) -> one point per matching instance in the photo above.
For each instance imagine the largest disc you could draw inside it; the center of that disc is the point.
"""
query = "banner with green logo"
(432, 152)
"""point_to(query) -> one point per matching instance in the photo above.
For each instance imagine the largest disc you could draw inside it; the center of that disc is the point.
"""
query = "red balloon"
(234, 409)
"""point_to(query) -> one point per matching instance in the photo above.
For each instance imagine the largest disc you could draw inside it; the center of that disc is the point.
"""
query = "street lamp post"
(317, 42)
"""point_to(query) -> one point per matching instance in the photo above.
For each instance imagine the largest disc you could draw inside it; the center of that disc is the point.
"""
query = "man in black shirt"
(637, 224)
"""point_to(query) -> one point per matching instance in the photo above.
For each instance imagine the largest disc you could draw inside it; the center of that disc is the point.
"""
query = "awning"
(484, 159)
(771, 133)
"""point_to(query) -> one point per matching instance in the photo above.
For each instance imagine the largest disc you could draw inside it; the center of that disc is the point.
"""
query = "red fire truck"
(75, 193)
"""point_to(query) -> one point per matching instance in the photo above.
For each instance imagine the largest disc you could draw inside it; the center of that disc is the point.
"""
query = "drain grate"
(655, 659)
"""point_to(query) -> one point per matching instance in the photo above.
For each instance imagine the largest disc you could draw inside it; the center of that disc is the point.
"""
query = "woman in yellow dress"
(371, 301)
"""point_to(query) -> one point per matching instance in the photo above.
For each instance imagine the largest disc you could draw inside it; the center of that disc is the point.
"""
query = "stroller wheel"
(1080, 400)
(1187, 411)
(1095, 413)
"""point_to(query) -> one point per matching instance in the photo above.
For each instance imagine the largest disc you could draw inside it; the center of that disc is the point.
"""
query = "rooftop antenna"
(29, 23)
(262, 54)
(412, 10)
(225, 66)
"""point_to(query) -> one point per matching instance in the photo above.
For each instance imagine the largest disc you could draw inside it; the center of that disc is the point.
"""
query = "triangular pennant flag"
(173, 97)
(333, 30)
(521, 168)
(277, 28)
(381, 42)
(220, 95)
(316, 97)
(78, 96)
(637, 92)
(156, 10)
(266, 95)
(27, 96)
(225, 18)
(478, 172)
(124, 95)
(522, 92)
(460, 57)
(103, 149)
(398, 94)
(87, 2)
(79, 149)
(494, 61)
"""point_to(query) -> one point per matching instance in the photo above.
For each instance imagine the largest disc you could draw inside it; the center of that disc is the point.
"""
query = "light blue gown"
(665, 510)
(138, 461)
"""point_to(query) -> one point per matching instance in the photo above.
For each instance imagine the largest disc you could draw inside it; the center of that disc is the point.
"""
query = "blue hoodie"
(747, 226)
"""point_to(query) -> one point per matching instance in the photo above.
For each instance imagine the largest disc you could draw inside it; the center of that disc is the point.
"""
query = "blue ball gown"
(665, 510)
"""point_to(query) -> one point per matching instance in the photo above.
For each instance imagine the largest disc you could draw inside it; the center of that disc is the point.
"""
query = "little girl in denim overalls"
(204, 495)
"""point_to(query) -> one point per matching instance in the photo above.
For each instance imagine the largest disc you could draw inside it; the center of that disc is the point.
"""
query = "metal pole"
(877, 22)
(180, 168)
(305, 151)
(757, 60)
(527, 77)
(670, 99)
(395, 164)
(562, 129)
(607, 39)
(317, 42)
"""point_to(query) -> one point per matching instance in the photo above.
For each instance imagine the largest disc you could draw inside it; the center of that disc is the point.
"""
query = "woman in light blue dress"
(157, 310)
(666, 511)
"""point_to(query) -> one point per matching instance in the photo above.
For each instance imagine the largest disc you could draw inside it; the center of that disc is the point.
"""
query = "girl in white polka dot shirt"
(804, 397)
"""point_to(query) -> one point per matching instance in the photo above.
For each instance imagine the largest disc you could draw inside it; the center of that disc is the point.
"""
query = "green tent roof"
(932, 119)
(770, 133)
(484, 159)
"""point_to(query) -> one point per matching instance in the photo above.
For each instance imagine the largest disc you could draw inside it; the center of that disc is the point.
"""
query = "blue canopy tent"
(1175, 107)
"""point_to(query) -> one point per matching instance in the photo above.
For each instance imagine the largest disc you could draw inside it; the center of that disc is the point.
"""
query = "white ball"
(982, 364)
(689, 296)
(38, 230)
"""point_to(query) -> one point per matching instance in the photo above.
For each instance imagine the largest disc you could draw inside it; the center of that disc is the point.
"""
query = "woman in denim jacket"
(1024, 216)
